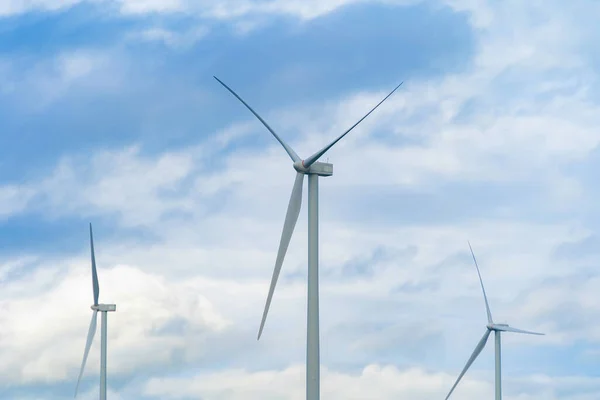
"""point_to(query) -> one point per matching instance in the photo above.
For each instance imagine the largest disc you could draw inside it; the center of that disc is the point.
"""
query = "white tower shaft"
(312, 338)
(103, 331)
(498, 366)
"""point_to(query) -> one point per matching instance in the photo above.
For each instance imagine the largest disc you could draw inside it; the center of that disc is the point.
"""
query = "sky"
(109, 114)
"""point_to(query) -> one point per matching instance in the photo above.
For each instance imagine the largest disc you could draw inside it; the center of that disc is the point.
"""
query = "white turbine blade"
(287, 148)
(310, 160)
(88, 345)
(487, 306)
(95, 285)
(288, 228)
(476, 352)
(515, 330)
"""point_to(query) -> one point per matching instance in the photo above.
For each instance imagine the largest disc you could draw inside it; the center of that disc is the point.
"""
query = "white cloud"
(46, 315)
(13, 199)
(138, 190)
(223, 10)
(50, 79)
(12, 7)
(373, 382)
(152, 6)
(171, 38)
(237, 9)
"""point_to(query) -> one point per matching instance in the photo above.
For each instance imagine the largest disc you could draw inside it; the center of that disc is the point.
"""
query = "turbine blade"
(310, 160)
(95, 285)
(515, 330)
(88, 345)
(288, 228)
(287, 148)
(487, 306)
(476, 352)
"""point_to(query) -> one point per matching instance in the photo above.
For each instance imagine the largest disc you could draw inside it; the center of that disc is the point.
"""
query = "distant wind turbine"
(491, 327)
(104, 309)
(313, 169)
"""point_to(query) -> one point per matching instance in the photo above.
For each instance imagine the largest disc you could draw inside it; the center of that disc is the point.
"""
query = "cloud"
(53, 78)
(151, 6)
(238, 9)
(100, 186)
(171, 38)
(230, 9)
(196, 228)
(45, 320)
(13, 199)
(373, 382)
(13, 7)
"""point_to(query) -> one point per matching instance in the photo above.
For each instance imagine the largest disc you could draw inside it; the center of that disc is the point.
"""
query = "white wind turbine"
(311, 167)
(104, 309)
(491, 327)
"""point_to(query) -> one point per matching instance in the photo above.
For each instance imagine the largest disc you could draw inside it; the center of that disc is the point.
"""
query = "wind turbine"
(490, 327)
(311, 167)
(104, 309)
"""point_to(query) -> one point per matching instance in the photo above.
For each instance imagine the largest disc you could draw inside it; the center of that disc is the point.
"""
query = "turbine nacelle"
(104, 307)
(317, 168)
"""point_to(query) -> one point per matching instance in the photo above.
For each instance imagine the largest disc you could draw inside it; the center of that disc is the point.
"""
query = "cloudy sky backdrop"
(109, 114)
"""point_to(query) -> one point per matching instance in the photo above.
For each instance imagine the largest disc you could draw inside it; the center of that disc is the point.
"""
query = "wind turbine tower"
(104, 309)
(490, 327)
(314, 169)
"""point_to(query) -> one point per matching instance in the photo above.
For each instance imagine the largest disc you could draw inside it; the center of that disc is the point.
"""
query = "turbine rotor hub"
(299, 166)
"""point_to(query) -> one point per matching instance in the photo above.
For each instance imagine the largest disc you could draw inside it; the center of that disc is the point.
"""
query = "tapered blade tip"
(396, 88)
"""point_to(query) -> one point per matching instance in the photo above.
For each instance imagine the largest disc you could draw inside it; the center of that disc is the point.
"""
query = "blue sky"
(109, 114)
